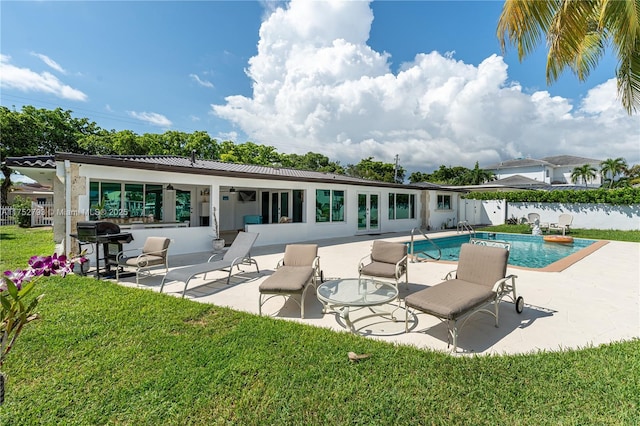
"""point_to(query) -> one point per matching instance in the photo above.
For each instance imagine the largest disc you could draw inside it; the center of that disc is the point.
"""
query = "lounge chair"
(479, 281)
(295, 273)
(531, 219)
(386, 260)
(154, 253)
(564, 223)
(238, 254)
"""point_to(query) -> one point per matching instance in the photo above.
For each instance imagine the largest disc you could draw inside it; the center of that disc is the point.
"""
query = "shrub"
(22, 211)
(620, 196)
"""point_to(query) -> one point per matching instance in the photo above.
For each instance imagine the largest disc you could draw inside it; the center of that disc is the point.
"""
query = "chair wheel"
(519, 304)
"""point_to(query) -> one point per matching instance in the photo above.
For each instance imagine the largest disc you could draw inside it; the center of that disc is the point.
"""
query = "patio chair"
(531, 219)
(237, 254)
(153, 254)
(386, 260)
(479, 281)
(564, 222)
(295, 273)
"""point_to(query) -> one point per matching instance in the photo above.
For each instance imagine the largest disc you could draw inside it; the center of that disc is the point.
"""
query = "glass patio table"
(342, 295)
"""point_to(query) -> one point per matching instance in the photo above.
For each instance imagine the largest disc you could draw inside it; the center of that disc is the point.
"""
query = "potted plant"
(218, 241)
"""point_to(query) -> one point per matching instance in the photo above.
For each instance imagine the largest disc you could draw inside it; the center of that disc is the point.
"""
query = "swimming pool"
(529, 251)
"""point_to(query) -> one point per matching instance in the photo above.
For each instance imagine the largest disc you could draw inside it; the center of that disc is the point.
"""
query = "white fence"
(586, 216)
(41, 215)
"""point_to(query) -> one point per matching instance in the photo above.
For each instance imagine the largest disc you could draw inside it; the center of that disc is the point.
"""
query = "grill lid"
(97, 227)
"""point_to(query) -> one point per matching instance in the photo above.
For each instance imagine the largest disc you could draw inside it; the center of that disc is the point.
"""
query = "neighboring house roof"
(513, 182)
(569, 160)
(554, 161)
(205, 167)
(31, 188)
(518, 162)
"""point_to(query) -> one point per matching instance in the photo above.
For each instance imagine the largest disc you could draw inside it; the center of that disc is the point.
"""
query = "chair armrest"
(402, 263)
(142, 260)
(121, 254)
(214, 255)
(280, 263)
(450, 275)
(499, 285)
(361, 262)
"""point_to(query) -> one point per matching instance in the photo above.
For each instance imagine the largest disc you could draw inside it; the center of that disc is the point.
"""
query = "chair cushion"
(386, 252)
(300, 254)
(155, 244)
(482, 265)
(450, 299)
(287, 279)
(379, 269)
(145, 260)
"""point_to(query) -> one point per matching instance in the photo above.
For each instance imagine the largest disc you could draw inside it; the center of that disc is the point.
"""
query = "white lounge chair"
(238, 254)
(564, 222)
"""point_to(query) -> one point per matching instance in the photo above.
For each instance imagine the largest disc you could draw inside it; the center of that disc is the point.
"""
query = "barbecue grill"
(105, 234)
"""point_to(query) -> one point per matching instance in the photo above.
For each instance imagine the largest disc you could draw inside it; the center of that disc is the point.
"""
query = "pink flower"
(41, 266)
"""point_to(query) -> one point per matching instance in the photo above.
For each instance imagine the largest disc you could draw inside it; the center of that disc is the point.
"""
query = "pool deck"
(595, 300)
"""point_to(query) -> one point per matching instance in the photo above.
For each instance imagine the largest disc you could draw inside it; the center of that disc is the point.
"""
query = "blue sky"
(424, 80)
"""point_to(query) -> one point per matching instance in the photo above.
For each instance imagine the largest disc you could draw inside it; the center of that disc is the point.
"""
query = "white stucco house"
(177, 197)
(554, 170)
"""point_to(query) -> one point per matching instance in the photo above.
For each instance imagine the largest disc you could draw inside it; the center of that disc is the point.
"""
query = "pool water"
(529, 251)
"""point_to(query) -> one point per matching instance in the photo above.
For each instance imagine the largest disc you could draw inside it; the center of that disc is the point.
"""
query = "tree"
(478, 176)
(38, 132)
(633, 174)
(375, 170)
(577, 33)
(311, 161)
(586, 173)
(613, 167)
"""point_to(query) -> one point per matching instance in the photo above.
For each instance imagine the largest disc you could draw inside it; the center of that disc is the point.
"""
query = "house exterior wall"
(231, 211)
(537, 172)
(443, 218)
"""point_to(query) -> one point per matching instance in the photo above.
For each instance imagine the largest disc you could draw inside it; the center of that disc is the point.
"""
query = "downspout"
(67, 206)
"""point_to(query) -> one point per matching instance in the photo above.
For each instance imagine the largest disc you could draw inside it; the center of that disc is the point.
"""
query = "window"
(113, 199)
(329, 206)
(444, 202)
(402, 206)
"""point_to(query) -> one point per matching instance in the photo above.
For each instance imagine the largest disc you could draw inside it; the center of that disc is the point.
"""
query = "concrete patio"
(594, 301)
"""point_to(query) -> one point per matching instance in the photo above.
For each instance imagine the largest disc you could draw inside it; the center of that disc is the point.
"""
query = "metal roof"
(178, 164)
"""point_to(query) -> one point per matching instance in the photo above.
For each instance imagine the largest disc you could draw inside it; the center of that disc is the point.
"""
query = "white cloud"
(203, 83)
(152, 118)
(317, 86)
(26, 80)
(50, 62)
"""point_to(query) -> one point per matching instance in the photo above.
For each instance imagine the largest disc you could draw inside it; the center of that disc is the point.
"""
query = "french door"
(275, 205)
(368, 212)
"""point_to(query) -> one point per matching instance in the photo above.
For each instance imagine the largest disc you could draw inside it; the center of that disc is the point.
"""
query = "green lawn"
(105, 354)
(593, 234)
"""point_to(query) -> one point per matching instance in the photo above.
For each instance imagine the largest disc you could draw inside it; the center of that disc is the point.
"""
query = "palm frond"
(622, 19)
(524, 23)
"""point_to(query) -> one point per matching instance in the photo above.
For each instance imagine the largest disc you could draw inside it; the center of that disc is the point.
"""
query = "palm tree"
(613, 167)
(477, 176)
(577, 33)
(586, 173)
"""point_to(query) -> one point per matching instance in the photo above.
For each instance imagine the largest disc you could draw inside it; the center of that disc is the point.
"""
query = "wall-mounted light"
(170, 187)
(232, 189)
